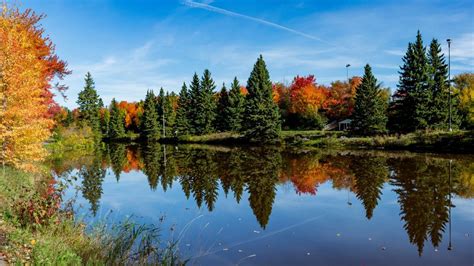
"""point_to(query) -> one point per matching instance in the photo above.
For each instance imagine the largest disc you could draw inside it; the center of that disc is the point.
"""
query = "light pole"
(347, 73)
(449, 81)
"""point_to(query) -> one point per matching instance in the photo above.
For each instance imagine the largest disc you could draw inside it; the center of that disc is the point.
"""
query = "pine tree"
(439, 88)
(194, 101)
(181, 126)
(206, 105)
(222, 120)
(89, 104)
(235, 108)
(169, 113)
(261, 117)
(150, 125)
(369, 116)
(160, 105)
(410, 109)
(117, 121)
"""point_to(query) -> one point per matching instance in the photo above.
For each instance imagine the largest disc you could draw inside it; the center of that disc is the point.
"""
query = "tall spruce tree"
(169, 114)
(410, 109)
(261, 118)
(89, 105)
(206, 105)
(439, 88)
(235, 108)
(222, 120)
(150, 125)
(181, 126)
(117, 121)
(160, 106)
(194, 103)
(369, 116)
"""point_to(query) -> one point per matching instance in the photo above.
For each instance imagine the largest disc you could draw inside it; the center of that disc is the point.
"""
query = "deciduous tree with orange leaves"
(306, 99)
(340, 101)
(28, 65)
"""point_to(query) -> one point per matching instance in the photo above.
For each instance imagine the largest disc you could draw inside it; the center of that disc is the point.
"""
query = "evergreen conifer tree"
(206, 113)
(150, 125)
(222, 120)
(194, 102)
(235, 108)
(89, 105)
(261, 118)
(182, 112)
(369, 116)
(160, 105)
(117, 121)
(439, 88)
(410, 109)
(169, 114)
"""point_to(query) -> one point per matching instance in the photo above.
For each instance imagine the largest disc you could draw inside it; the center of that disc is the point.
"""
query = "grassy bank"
(456, 141)
(37, 227)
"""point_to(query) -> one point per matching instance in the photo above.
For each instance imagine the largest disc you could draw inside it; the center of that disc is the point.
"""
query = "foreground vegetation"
(37, 227)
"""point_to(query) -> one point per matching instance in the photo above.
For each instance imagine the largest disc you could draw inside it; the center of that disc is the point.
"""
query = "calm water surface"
(261, 206)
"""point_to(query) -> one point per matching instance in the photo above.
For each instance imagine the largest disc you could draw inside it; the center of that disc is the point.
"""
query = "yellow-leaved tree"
(27, 67)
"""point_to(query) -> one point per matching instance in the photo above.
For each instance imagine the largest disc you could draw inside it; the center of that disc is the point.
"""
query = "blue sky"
(132, 46)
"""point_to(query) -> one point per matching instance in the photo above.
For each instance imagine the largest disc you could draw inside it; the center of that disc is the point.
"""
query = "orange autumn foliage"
(27, 66)
(133, 112)
(306, 96)
(243, 90)
(340, 101)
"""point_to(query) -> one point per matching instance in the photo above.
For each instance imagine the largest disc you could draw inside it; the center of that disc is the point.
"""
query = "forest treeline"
(260, 109)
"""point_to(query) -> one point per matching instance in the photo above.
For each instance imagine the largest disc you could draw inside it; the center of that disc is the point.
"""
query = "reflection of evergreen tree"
(92, 177)
(167, 168)
(204, 177)
(262, 166)
(370, 174)
(423, 194)
(118, 158)
(236, 165)
(152, 158)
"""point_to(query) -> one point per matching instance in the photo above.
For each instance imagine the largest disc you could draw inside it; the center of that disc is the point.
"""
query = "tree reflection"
(118, 158)
(420, 182)
(370, 175)
(423, 193)
(262, 169)
(92, 176)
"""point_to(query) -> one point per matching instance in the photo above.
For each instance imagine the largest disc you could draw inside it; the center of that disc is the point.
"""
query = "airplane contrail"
(222, 11)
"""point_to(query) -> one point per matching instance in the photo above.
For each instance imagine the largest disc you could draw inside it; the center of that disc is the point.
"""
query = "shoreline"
(436, 141)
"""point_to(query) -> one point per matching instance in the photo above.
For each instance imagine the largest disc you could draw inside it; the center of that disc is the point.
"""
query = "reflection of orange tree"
(133, 162)
(307, 173)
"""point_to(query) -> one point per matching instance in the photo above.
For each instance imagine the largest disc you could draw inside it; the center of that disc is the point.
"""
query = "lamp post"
(449, 81)
(347, 73)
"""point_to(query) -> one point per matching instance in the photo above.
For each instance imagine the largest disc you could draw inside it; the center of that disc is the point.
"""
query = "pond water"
(268, 206)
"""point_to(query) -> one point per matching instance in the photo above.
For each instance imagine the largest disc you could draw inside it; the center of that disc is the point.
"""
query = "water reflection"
(423, 184)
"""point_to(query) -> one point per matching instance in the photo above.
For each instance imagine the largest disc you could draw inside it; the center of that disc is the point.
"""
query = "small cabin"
(344, 124)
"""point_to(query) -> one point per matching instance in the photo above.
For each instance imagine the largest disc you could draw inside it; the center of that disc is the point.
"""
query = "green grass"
(456, 141)
(56, 238)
